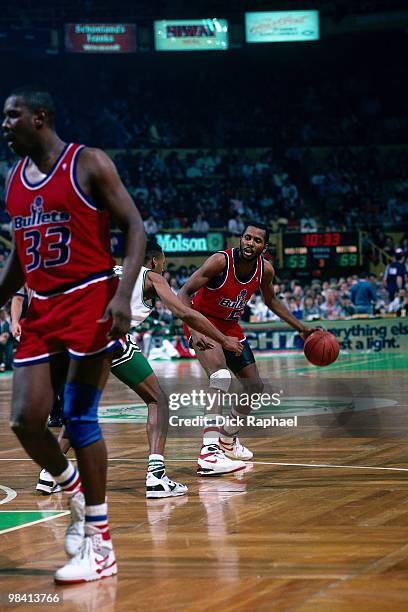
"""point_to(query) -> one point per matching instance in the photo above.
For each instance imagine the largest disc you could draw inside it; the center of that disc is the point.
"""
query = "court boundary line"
(284, 464)
(43, 520)
(312, 465)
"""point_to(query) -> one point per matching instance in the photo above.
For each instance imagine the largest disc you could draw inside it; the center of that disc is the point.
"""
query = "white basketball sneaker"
(46, 484)
(234, 449)
(94, 560)
(163, 486)
(75, 534)
(213, 462)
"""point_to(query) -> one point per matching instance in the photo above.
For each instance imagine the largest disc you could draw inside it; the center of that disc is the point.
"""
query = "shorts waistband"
(70, 287)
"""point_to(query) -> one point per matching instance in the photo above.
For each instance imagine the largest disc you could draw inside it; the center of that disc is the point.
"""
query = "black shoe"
(57, 410)
(55, 422)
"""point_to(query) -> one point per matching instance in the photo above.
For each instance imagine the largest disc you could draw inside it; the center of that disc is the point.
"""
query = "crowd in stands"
(302, 190)
(322, 153)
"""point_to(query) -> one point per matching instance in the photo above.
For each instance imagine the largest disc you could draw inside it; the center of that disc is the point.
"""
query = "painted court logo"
(288, 407)
(39, 217)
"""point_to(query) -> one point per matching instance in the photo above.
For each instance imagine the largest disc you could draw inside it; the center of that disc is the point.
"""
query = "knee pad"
(81, 414)
(221, 380)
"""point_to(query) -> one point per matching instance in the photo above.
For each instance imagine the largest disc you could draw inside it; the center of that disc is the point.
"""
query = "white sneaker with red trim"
(213, 462)
(74, 535)
(94, 561)
(234, 449)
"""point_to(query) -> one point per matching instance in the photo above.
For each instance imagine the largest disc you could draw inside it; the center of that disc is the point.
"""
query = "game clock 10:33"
(324, 251)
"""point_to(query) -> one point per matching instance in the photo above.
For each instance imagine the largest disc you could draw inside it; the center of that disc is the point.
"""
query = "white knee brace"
(221, 380)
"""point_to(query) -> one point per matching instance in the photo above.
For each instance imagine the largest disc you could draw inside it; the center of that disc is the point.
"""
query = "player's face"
(18, 125)
(252, 243)
(159, 263)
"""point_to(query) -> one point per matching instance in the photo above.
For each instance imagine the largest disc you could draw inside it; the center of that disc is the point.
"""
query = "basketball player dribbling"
(59, 198)
(133, 369)
(220, 290)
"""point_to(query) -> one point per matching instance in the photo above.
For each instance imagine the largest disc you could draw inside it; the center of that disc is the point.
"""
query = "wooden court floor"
(317, 521)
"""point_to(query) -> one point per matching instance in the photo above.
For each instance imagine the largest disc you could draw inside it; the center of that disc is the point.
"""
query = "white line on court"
(10, 494)
(311, 465)
(47, 518)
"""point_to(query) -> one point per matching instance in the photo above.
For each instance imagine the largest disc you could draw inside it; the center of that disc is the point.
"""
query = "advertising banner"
(100, 37)
(354, 335)
(191, 35)
(191, 242)
(281, 26)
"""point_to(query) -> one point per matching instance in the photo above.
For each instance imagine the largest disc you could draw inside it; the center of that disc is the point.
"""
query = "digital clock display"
(325, 239)
(321, 250)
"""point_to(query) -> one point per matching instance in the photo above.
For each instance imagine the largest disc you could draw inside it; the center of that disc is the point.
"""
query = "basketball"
(321, 348)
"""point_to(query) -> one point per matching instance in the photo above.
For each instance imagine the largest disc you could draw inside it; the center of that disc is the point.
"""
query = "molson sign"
(193, 243)
(281, 26)
(191, 35)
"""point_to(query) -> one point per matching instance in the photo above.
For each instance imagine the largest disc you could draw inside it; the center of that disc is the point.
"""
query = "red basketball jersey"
(62, 238)
(227, 298)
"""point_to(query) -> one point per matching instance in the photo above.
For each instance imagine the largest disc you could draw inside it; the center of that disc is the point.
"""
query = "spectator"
(363, 296)
(200, 224)
(399, 304)
(308, 223)
(182, 276)
(347, 306)
(331, 308)
(236, 225)
(6, 342)
(173, 285)
(310, 309)
(394, 275)
(161, 315)
(151, 226)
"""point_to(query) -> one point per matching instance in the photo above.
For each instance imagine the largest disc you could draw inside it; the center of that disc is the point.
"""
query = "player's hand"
(201, 342)
(16, 330)
(233, 345)
(308, 331)
(119, 309)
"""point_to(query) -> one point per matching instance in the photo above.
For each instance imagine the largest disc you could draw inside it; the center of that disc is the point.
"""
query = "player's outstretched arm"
(99, 178)
(277, 306)
(213, 266)
(194, 319)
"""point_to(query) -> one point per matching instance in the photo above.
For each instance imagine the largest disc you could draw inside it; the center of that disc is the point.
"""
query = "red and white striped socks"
(70, 480)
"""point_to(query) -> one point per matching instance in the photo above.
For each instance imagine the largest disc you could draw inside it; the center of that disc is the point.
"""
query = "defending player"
(133, 369)
(221, 289)
(59, 198)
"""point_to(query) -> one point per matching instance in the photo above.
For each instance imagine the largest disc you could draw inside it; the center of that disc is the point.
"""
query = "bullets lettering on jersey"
(237, 304)
(39, 217)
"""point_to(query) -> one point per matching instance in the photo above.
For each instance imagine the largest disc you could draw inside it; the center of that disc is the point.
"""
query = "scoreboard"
(323, 251)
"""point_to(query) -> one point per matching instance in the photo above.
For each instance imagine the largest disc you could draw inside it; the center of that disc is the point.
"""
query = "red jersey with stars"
(223, 300)
(62, 238)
